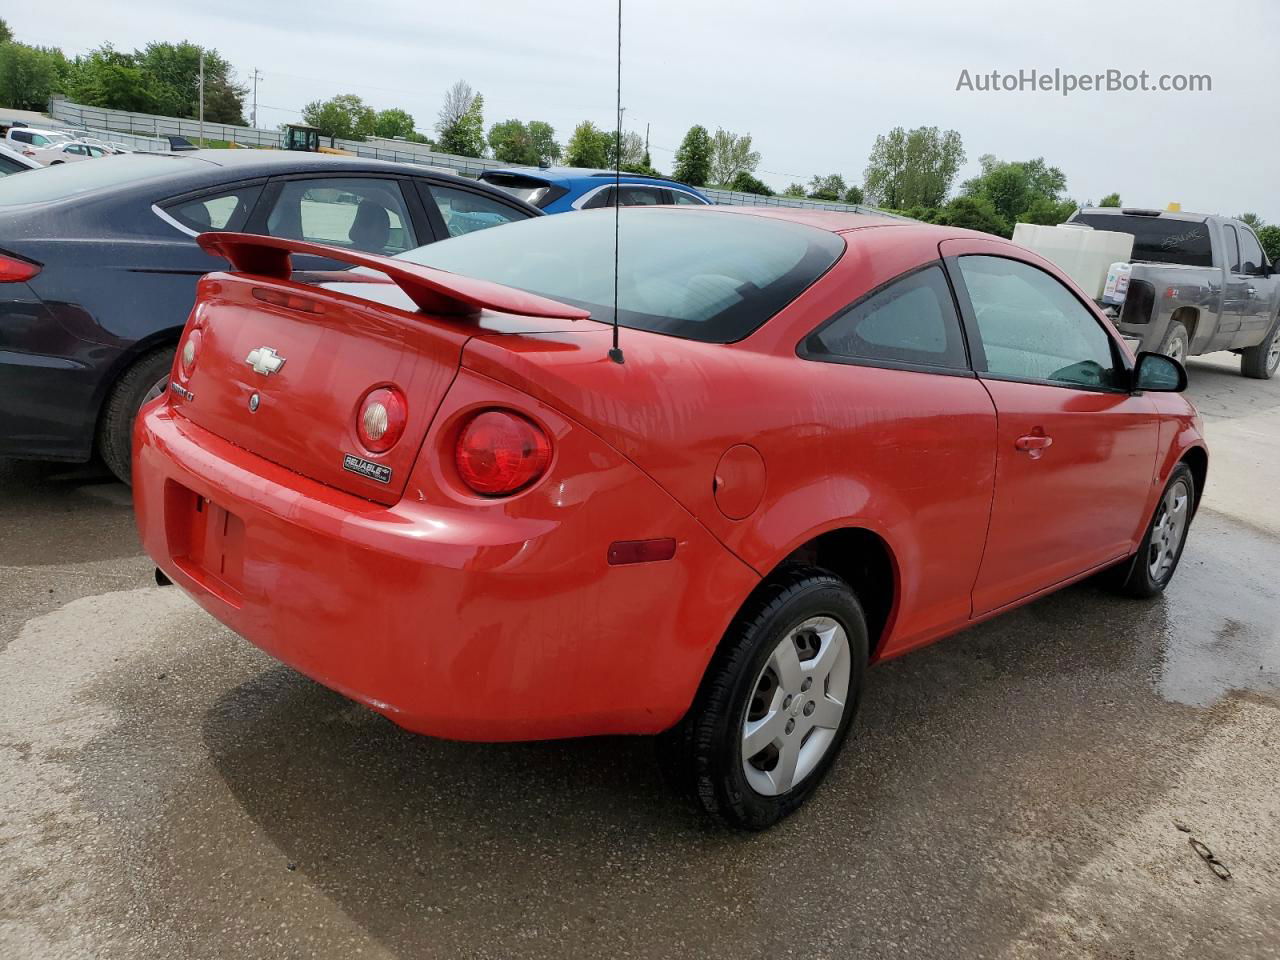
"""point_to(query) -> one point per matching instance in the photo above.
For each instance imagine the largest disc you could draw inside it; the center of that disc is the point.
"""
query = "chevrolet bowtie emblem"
(264, 360)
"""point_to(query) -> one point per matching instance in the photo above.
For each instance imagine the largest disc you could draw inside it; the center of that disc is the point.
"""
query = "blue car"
(560, 190)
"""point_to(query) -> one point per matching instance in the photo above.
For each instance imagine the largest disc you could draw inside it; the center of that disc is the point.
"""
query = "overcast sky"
(812, 82)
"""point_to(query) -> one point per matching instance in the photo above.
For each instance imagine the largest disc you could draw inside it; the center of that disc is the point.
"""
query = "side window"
(21, 136)
(1033, 328)
(602, 199)
(221, 211)
(37, 140)
(467, 212)
(680, 197)
(356, 212)
(8, 165)
(635, 196)
(1251, 255)
(912, 320)
(1233, 248)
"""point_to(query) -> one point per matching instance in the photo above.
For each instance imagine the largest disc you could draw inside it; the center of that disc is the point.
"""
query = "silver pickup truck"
(1199, 284)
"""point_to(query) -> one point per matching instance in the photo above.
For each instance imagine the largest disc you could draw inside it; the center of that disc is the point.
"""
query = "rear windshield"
(688, 273)
(72, 179)
(528, 189)
(1157, 239)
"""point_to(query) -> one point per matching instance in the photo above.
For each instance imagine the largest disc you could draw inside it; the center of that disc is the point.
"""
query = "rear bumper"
(473, 622)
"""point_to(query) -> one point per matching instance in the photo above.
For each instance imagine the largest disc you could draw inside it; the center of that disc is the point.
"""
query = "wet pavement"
(1026, 789)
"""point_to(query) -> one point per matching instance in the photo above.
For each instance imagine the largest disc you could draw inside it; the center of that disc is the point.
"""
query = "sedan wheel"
(776, 702)
(1169, 530)
(797, 706)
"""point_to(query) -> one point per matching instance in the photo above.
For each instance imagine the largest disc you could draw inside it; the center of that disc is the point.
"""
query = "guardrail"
(377, 148)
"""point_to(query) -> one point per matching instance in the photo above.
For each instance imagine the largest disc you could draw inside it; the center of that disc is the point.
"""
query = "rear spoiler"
(434, 291)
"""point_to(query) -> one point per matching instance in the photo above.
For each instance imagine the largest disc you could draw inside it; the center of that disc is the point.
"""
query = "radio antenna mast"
(615, 353)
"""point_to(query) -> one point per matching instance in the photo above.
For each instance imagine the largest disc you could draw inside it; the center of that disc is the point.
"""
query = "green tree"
(392, 123)
(1110, 200)
(745, 182)
(6, 34)
(589, 146)
(1252, 219)
(110, 78)
(171, 73)
(1269, 237)
(830, 187)
(511, 143)
(854, 195)
(693, 159)
(1015, 189)
(543, 137)
(29, 76)
(794, 190)
(345, 116)
(913, 167)
(973, 213)
(461, 122)
(731, 154)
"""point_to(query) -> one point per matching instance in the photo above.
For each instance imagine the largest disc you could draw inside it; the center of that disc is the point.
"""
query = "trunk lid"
(332, 350)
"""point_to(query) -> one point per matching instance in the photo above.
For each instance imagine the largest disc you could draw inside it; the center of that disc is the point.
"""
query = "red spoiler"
(435, 291)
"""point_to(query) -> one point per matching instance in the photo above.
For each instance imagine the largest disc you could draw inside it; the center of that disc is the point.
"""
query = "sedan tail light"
(13, 270)
(381, 419)
(499, 453)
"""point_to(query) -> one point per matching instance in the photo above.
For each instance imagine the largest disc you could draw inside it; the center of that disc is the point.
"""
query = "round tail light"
(189, 352)
(499, 452)
(380, 421)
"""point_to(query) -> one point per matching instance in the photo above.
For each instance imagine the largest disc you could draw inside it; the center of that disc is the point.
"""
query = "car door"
(1076, 450)
(368, 213)
(1235, 291)
(1257, 302)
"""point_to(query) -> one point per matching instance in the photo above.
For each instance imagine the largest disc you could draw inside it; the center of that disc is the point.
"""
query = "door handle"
(1034, 444)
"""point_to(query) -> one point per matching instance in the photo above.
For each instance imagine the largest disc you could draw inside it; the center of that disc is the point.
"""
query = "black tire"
(1177, 334)
(1134, 577)
(115, 426)
(702, 755)
(1256, 362)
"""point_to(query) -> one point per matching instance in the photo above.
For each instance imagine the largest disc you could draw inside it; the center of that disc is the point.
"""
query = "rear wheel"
(1151, 569)
(1262, 361)
(776, 703)
(1176, 342)
(142, 382)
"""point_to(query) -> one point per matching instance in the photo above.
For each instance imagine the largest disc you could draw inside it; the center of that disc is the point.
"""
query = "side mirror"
(1159, 374)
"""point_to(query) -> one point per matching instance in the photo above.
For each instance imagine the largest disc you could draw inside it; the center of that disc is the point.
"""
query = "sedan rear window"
(687, 273)
(72, 179)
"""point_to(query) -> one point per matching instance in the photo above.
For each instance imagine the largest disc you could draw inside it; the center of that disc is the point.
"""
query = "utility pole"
(646, 144)
(202, 96)
(256, 73)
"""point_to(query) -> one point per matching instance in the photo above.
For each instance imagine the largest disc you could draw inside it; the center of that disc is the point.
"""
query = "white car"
(12, 161)
(69, 153)
(27, 139)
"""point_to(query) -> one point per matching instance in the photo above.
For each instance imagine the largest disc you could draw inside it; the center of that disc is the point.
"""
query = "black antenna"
(615, 354)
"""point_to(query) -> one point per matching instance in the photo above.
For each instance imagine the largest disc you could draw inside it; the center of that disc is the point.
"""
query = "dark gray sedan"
(98, 267)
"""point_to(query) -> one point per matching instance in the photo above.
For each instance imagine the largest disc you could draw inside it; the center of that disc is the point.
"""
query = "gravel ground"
(1029, 788)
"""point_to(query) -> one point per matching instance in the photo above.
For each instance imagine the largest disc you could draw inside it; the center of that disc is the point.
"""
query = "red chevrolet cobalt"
(825, 440)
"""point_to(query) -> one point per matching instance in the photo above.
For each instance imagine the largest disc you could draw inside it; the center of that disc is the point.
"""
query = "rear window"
(1157, 239)
(686, 273)
(529, 189)
(72, 179)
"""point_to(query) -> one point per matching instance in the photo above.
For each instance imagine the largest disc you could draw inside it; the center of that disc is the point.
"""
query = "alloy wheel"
(1177, 349)
(796, 706)
(1273, 351)
(1168, 530)
(156, 390)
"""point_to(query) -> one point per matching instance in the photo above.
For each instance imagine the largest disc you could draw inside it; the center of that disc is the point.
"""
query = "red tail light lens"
(380, 421)
(499, 452)
(13, 270)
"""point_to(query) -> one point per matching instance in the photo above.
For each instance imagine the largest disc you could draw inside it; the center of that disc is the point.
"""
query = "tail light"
(500, 452)
(13, 270)
(380, 421)
(189, 353)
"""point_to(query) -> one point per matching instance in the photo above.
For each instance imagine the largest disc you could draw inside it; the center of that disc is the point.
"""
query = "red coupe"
(827, 440)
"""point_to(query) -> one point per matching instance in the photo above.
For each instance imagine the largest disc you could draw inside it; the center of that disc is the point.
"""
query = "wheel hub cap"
(796, 706)
(1167, 532)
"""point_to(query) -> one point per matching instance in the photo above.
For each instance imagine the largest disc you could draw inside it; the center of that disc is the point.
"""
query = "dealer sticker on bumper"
(366, 468)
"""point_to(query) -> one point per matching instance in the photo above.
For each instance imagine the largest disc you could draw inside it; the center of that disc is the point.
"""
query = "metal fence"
(107, 122)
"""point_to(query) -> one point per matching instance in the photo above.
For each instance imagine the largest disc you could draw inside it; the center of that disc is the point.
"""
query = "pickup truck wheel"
(776, 703)
(1262, 361)
(1176, 342)
(1153, 566)
(143, 381)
